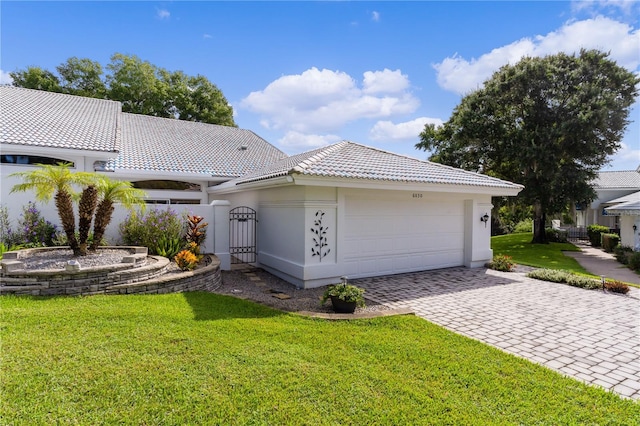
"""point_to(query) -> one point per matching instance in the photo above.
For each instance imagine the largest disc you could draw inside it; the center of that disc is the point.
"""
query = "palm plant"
(58, 179)
(112, 192)
(86, 208)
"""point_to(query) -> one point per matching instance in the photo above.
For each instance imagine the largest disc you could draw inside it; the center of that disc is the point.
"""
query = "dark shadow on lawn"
(415, 285)
(209, 306)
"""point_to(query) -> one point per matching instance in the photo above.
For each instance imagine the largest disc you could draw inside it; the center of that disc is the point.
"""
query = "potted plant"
(344, 297)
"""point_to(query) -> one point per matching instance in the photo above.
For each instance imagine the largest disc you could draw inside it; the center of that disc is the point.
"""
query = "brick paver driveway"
(587, 334)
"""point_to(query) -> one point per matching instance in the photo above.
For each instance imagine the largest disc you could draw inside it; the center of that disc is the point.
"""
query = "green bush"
(524, 226)
(634, 261)
(583, 282)
(622, 253)
(610, 241)
(594, 232)
(151, 228)
(170, 247)
(564, 277)
(502, 263)
(32, 230)
(552, 275)
(556, 235)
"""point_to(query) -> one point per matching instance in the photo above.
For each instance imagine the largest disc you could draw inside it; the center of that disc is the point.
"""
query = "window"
(31, 160)
(173, 185)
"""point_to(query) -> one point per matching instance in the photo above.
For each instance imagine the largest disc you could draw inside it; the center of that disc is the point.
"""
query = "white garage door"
(386, 236)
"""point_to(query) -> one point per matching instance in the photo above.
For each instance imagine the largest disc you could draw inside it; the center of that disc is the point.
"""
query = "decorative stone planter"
(138, 273)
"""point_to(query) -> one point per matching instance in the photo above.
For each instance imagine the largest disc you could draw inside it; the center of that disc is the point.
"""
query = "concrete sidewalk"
(599, 262)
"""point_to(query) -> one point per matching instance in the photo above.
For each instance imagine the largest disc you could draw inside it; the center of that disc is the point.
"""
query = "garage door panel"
(390, 236)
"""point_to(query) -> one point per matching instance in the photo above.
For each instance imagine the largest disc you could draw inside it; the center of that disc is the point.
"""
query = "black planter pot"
(342, 307)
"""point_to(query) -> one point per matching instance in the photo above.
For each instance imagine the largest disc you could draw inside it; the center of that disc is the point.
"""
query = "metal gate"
(242, 235)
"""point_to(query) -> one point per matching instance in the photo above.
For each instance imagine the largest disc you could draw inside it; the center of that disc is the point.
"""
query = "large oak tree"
(140, 86)
(548, 123)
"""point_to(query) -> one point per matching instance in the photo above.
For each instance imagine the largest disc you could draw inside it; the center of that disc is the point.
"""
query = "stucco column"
(477, 234)
(221, 232)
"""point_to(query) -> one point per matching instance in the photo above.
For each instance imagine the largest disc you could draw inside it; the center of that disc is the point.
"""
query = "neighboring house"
(627, 209)
(609, 186)
(345, 209)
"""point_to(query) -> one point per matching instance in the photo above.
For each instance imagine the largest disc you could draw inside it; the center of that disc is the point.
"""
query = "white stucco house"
(627, 209)
(341, 210)
(609, 186)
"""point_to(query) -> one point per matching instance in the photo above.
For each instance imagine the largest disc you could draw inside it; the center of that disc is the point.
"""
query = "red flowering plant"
(196, 233)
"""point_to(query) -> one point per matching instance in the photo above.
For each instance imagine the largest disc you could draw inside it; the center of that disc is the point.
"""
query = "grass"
(200, 358)
(519, 247)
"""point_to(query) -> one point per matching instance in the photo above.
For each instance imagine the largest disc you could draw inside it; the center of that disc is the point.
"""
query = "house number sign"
(416, 195)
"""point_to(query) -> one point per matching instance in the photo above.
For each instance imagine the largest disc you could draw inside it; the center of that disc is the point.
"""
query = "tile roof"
(631, 208)
(635, 196)
(47, 119)
(618, 179)
(351, 160)
(627, 205)
(168, 145)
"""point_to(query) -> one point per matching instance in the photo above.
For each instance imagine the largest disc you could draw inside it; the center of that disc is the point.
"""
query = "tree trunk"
(103, 217)
(65, 211)
(539, 219)
(86, 208)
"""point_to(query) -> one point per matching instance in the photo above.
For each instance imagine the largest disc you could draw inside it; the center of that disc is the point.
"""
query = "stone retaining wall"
(149, 279)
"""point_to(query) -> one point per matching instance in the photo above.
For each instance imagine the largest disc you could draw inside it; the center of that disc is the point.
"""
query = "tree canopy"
(547, 123)
(140, 86)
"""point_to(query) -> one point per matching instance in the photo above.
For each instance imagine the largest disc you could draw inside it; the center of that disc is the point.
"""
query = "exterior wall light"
(635, 228)
(484, 219)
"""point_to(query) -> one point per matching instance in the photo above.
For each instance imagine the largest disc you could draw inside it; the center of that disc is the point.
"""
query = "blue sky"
(306, 74)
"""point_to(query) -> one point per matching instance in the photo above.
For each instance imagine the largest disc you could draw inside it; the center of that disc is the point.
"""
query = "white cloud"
(385, 81)
(163, 14)
(320, 101)
(294, 139)
(5, 78)
(207, 36)
(375, 16)
(409, 130)
(595, 6)
(626, 158)
(621, 40)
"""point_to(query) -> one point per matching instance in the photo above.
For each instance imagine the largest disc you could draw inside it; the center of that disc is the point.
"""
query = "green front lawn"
(519, 247)
(200, 358)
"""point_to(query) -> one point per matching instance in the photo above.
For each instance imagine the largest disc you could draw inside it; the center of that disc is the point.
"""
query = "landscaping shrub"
(169, 247)
(556, 235)
(594, 232)
(583, 282)
(149, 229)
(501, 263)
(196, 233)
(622, 253)
(552, 275)
(524, 226)
(186, 260)
(33, 230)
(634, 261)
(616, 286)
(610, 241)
(564, 277)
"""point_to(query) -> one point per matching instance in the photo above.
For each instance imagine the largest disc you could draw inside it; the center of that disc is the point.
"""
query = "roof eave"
(131, 174)
(53, 151)
(300, 179)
